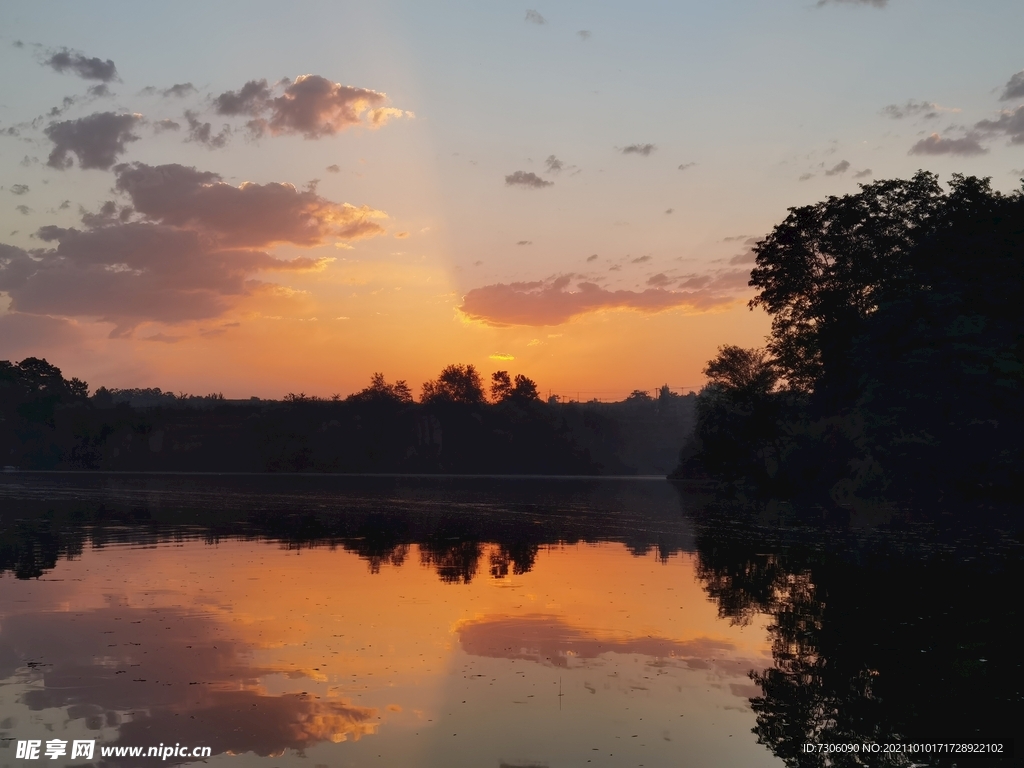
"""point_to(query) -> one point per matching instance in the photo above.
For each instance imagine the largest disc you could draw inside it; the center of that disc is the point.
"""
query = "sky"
(259, 198)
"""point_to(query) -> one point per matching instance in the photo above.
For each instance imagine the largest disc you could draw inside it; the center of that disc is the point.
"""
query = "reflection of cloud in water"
(247, 721)
(170, 672)
(550, 640)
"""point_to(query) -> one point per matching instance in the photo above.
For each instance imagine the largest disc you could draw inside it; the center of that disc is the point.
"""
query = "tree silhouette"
(747, 371)
(521, 389)
(380, 391)
(824, 269)
(455, 384)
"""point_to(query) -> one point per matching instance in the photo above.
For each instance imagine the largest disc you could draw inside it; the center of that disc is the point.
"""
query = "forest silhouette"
(52, 423)
(895, 363)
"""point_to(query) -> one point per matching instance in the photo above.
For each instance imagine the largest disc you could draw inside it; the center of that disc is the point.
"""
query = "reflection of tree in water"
(520, 555)
(380, 520)
(875, 637)
(455, 561)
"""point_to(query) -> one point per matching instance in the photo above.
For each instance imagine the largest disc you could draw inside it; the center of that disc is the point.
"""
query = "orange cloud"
(548, 302)
(551, 640)
(131, 273)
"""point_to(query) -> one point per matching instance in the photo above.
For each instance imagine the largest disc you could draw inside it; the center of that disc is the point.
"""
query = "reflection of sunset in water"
(258, 650)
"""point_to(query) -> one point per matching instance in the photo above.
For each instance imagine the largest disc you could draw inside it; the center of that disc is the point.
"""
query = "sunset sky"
(258, 198)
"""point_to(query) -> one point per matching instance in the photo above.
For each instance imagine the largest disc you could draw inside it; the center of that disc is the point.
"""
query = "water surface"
(327, 621)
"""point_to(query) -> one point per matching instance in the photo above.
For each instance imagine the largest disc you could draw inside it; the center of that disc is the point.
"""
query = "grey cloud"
(251, 99)
(535, 18)
(28, 162)
(99, 91)
(838, 169)
(66, 103)
(638, 149)
(179, 90)
(96, 140)
(554, 165)
(250, 215)
(640, 260)
(24, 210)
(911, 108)
(525, 179)
(525, 242)
(1010, 122)
(1014, 87)
(806, 176)
(108, 214)
(202, 133)
(312, 106)
(670, 210)
(19, 189)
(686, 166)
(659, 280)
(584, 34)
(333, 168)
(936, 145)
(862, 174)
(88, 68)
(166, 125)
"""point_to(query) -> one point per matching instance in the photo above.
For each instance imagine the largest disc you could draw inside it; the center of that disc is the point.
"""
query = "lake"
(439, 621)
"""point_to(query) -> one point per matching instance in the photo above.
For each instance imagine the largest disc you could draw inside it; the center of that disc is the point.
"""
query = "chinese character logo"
(82, 749)
(28, 750)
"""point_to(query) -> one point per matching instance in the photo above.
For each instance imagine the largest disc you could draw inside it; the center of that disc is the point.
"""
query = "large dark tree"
(898, 335)
(825, 269)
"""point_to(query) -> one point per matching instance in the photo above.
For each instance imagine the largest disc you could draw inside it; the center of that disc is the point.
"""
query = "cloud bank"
(551, 302)
(937, 145)
(131, 273)
(1010, 122)
(192, 253)
(249, 215)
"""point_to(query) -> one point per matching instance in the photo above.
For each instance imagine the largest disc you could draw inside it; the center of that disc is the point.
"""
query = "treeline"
(49, 422)
(895, 363)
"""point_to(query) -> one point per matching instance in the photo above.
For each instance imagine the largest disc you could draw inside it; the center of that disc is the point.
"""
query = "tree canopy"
(520, 389)
(896, 349)
(455, 384)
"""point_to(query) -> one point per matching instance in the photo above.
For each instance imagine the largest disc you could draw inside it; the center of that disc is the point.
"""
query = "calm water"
(320, 621)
